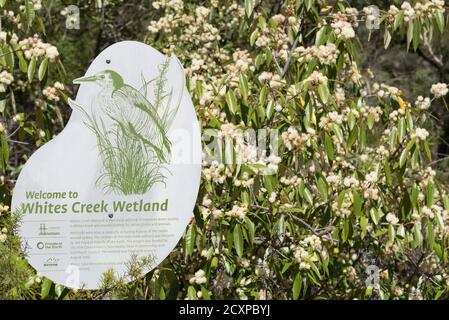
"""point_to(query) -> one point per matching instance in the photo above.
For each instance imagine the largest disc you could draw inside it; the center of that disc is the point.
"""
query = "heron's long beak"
(85, 79)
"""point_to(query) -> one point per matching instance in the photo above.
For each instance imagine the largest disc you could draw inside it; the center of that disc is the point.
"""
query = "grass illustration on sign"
(132, 131)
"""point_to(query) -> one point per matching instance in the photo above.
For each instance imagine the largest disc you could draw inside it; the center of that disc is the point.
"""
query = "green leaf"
(252, 40)
(417, 234)
(429, 194)
(43, 69)
(231, 101)
(416, 33)
(329, 147)
(322, 188)
(4, 159)
(308, 196)
(238, 240)
(409, 34)
(374, 213)
(430, 235)
(404, 156)
(398, 20)
(439, 18)
(363, 225)
(309, 4)
(31, 69)
(46, 287)
(190, 240)
(370, 121)
(402, 129)
(206, 293)
(244, 86)
(251, 229)
(98, 4)
(270, 109)
(59, 290)
(249, 7)
(2, 98)
(229, 151)
(358, 202)
(323, 91)
(191, 293)
(8, 57)
(23, 65)
(391, 233)
(297, 286)
(29, 12)
(2, 3)
(387, 38)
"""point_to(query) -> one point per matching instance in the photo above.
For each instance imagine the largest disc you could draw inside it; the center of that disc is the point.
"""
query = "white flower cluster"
(371, 193)
(350, 182)
(343, 209)
(34, 48)
(198, 278)
(423, 103)
(263, 41)
(328, 120)
(3, 209)
(6, 78)
(326, 54)
(242, 63)
(317, 78)
(52, 92)
(432, 211)
(429, 8)
(343, 29)
(439, 90)
(353, 72)
(274, 80)
(272, 197)
(384, 91)
(314, 242)
(245, 181)
(421, 9)
(409, 12)
(273, 162)
(420, 134)
(293, 139)
(3, 235)
(392, 218)
(237, 211)
(303, 257)
(215, 172)
(367, 111)
(291, 181)
(247, 153)
(396, 114)
(176, 5)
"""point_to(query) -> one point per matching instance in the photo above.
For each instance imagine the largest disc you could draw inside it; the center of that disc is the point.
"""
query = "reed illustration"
(131, 130)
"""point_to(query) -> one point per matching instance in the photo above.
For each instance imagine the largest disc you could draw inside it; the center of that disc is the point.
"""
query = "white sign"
(121, 179)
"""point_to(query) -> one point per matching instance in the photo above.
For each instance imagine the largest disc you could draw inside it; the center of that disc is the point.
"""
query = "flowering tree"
(343, 204)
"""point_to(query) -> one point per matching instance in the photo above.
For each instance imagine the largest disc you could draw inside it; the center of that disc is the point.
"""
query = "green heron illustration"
(135, 148)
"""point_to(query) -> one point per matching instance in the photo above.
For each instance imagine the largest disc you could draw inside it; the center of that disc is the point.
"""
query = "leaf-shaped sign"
(118, 180)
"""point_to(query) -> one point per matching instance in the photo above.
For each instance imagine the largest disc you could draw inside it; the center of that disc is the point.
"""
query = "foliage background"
(299, 234)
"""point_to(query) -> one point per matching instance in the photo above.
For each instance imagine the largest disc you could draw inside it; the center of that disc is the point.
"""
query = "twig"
(290, 56)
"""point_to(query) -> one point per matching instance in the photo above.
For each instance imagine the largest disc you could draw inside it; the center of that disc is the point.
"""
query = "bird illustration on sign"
(131, 128)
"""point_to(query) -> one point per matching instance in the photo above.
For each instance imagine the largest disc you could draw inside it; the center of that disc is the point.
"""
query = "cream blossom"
(439, 90)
